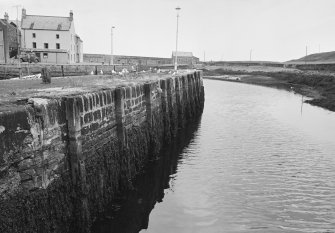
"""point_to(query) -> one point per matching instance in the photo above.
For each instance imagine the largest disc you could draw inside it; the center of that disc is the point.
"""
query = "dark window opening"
(45, 55)
(46, 45)
(34, 45)
(57, 36)
(57, 46)
(34, 35)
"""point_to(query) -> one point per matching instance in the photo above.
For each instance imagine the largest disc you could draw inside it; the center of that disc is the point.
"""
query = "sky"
(274, 30)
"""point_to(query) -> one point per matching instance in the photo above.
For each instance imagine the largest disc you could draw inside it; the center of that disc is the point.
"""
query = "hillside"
(328, 57)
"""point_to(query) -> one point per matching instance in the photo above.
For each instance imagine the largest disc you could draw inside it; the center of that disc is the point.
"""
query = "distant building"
(184, 58)
(126, 60)
(9, 39)
(52, 38)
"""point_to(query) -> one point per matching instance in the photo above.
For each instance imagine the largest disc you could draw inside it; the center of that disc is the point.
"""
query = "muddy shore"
(319, 86)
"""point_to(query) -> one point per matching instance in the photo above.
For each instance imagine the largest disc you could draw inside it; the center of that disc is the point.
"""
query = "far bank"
(318, 85)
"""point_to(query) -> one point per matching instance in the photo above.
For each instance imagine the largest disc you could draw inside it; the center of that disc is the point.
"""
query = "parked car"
(29, 57)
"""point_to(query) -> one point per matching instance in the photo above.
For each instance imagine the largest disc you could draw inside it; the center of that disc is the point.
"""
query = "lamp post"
(176, 53)
(112, 55)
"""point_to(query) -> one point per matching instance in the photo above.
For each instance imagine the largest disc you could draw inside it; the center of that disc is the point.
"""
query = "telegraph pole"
(250, 54)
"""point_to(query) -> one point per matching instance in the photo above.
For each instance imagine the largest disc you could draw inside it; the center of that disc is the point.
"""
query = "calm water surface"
(259, 161)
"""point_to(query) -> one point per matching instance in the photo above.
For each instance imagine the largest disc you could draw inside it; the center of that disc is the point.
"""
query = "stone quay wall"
(62, 160)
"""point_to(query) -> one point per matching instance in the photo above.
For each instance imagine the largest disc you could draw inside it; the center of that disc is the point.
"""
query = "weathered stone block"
(109, 97)
(27, 174)
(101, 98)
(25, 164)
(28, 185)
(128, 92)
(86, 103)
(97, 99)
(95, 126)
(88, 117)
(97, 115)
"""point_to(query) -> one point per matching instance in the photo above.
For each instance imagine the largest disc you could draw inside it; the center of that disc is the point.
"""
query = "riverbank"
(318, 85)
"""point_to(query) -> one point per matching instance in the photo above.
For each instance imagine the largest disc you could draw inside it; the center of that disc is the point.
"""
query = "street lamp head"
(178, 8)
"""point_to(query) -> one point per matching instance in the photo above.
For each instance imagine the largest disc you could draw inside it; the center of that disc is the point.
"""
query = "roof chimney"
(6, 17)
(24, 13)
(71, 15)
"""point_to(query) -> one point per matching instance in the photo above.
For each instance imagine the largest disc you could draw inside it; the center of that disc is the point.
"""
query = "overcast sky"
(275, 30)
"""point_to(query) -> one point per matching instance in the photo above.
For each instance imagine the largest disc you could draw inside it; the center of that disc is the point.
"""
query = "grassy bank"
(318, 85)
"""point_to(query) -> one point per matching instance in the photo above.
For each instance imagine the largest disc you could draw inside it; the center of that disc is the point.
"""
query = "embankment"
(64, 157)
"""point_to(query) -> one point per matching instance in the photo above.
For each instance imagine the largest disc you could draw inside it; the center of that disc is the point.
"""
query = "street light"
(176, 54)
(112, 56)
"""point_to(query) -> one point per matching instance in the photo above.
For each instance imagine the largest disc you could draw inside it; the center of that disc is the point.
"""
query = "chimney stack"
(24, 13)
(71, 15)
(6, 17)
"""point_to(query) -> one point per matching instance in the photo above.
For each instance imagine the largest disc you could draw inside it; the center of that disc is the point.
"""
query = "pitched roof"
(182, 54)
(40, 22)
(13, 22)
(8, 23)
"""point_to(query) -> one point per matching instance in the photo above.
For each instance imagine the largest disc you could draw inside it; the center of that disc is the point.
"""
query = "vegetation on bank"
(325, 57)
(303, 82)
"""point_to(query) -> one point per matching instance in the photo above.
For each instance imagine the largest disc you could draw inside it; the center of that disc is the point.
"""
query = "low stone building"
(184, 58)
(126, 60)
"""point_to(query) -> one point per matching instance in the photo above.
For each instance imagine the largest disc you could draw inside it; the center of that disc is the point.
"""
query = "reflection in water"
(130, 213)
(255, 164)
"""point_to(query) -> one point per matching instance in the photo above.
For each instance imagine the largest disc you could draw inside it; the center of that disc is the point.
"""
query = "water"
(259, 161)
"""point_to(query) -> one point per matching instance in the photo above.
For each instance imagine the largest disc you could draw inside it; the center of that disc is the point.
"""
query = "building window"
(34, 45)
(46, 45)
(57, 45)
(45, 55)
(34, 35)
(57, 36)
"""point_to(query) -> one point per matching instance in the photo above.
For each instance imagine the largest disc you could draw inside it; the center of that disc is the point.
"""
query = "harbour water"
(259, 160)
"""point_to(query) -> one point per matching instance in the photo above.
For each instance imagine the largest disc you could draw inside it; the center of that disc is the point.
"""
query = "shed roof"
(182, 54)
(40, 22)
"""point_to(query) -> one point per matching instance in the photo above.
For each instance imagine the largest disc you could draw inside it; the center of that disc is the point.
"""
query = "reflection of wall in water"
(131, 213)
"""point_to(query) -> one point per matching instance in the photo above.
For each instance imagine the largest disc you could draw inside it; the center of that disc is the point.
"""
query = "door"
(38, 55)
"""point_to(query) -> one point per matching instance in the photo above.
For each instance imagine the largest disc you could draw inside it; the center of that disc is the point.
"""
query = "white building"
(52, 38)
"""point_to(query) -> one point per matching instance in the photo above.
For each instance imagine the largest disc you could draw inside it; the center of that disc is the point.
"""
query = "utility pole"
(176, 54)
(17, 38)
(306, 55)
(112, 52)
(250, 54)
(204, 56)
